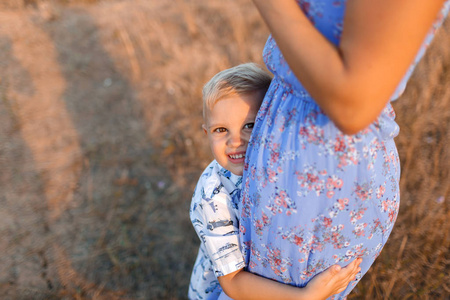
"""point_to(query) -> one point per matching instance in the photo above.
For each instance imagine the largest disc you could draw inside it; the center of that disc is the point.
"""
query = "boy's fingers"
(336, 269)
(351, 266)
(356, 264)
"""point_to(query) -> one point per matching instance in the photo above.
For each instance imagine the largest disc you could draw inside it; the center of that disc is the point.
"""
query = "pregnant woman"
(321, 180)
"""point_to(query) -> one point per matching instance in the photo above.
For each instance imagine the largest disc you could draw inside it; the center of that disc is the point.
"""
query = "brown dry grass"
(101, 146)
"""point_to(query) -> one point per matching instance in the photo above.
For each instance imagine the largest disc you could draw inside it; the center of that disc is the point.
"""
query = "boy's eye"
(249, 125)
(220, 129)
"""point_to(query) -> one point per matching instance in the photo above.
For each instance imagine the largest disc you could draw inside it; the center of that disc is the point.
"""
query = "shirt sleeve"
(216, 224)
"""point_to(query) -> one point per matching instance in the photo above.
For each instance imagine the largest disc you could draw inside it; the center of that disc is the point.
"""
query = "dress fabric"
(214, 215)
(312, 196)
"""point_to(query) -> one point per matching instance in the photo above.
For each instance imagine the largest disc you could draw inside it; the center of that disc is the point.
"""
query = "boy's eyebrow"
(214, 125)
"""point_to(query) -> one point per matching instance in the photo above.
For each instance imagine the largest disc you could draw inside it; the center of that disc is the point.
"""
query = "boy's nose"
(235, 140)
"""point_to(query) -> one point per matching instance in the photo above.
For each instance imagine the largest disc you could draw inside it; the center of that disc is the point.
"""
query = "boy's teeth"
(236, 156)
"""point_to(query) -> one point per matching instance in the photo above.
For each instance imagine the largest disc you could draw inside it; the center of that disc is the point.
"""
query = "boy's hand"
(333, 280)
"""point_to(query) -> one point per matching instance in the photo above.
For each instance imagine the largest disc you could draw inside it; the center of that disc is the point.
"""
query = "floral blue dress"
(312, 196)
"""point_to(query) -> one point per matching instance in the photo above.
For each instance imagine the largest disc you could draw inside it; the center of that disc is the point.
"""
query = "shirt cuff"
(225, 254)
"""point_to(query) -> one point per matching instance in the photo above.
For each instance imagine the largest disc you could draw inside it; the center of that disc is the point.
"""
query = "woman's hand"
(333, 280)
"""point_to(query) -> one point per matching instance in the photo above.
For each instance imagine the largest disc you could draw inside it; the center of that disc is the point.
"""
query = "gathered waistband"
(297, 91)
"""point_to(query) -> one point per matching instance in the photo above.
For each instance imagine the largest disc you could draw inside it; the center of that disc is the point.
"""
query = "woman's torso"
(313, 196)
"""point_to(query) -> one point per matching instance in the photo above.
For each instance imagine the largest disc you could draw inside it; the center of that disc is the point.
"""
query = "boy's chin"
(237, 171)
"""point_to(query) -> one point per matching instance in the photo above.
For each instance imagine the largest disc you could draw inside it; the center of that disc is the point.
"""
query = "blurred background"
(101, 147)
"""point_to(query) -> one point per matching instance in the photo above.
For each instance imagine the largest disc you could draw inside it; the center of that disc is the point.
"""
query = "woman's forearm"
(352, 82)
(245, 285)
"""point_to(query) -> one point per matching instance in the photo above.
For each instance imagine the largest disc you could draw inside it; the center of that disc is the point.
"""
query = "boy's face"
(228, 127)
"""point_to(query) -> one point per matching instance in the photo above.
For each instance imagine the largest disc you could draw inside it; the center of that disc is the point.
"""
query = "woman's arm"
(245, 285)
(352, 82)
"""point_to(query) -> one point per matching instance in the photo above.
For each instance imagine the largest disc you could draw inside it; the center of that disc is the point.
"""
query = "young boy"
(231, 100)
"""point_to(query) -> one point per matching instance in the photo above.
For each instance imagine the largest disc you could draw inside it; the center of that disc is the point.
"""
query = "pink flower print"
(282, 202)
(303, 131)
(261, 223)
(258, 227)
(272, 175)
(295, 236)
(359, 250)
(334, 235)
(265, 218)
(352, 155)
(355, 251)
(342, 161)
(365, 151)
(246, 207)
(314, 267)
(334, 210)
(357, 215)
(376, 228)
(255, 253)
(280, 199)
(317, 244)
(323, 173)
(246, 245)
(242, 229)
(274, 153)
(327, 222)
(385, 204)
(277, 263)
(392, 215)
(312, 178)
(330, 194)
(363, 191)
(349, 253)
(359, 229)
(266, 175)
(338, 183)
(341, 203)
(291, 114)
(301, 179)
(339, 145)
(298, 240)
(380, 191)
(253, 172)
(392, 157)
(330, 183)
(274, 209)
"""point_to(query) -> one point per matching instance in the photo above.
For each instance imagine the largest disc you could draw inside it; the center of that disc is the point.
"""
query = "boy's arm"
(245, 285)
(216, 224)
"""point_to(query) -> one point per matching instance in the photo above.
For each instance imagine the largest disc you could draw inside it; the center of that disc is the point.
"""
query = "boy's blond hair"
(241, 79)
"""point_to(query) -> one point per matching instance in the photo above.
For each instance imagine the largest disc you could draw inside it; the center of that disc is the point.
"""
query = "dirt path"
(100, 144)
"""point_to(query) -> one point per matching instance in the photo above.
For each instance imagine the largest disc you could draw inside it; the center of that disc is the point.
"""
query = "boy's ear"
(204, 129)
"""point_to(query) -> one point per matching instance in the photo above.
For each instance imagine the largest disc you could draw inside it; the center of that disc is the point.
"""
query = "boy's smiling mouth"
(237, 156)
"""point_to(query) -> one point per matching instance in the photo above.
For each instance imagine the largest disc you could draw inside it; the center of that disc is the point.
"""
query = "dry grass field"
(101, 146)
